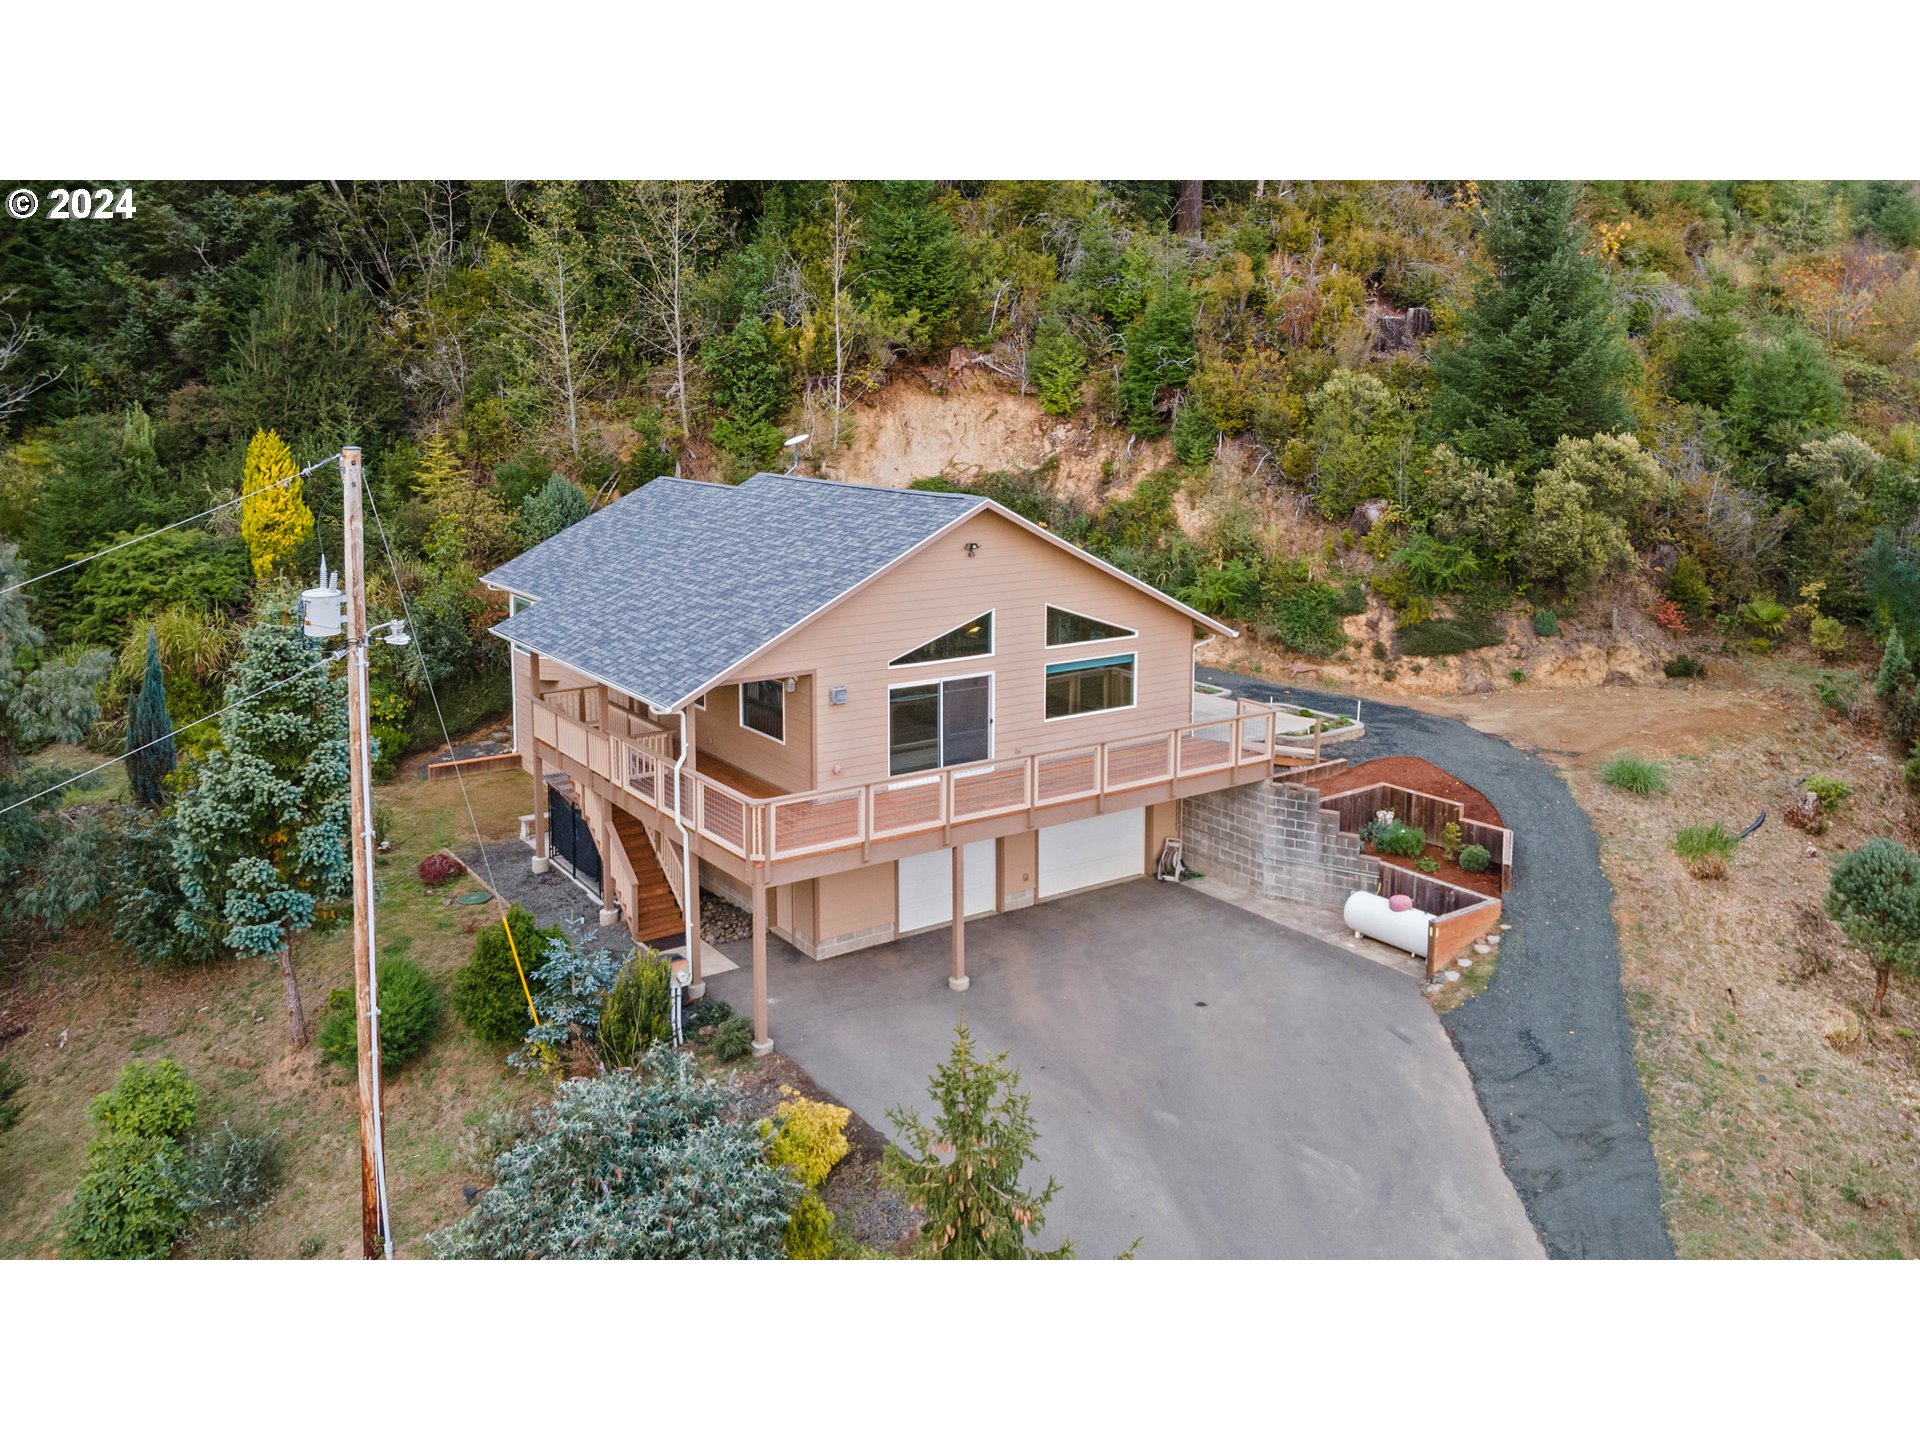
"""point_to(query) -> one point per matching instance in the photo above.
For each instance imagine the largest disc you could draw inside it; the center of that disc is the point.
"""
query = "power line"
(235, 705)
(161, 530)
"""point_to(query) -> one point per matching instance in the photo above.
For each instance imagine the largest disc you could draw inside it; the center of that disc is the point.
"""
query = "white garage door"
(1092, 851)
(926, 886)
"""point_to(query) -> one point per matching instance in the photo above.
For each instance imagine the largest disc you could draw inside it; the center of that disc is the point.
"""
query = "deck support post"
(958, 981)
(540, 864)
(762, 1042)
(603, 813)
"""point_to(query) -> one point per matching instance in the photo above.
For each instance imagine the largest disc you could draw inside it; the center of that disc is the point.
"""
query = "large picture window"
(963, 642)
(1066, 628)
(763, 708)
(1084, 687)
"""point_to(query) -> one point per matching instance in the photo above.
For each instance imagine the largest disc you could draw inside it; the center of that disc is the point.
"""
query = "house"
(857, 712)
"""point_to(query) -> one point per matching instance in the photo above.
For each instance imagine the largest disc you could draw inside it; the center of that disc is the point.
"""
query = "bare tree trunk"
(680, 331)
(1259, 189)
(296, 1015)
(1186, 215)
(842, 239)
(566, 351)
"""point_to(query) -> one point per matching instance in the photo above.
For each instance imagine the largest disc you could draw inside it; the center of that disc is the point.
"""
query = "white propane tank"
(1374, 916)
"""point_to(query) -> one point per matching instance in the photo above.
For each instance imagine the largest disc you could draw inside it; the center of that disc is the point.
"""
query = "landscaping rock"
(1466, 964)
(1452, 975)
(1483, 948)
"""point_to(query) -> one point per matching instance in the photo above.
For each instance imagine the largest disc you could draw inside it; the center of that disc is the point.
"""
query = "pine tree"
(1712, 351)
(964, 1169)
(151, 754)
(274, 520)
(1160, 356)
(261, 843)
(1541, 355)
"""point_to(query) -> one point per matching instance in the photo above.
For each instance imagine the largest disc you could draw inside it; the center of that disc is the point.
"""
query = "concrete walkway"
(1548, 1044)
(1203, 1079)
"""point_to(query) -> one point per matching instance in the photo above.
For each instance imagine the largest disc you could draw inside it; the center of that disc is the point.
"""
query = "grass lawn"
(87, 1008)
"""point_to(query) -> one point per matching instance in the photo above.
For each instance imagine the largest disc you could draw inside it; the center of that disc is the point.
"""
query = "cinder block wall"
(1277, 841)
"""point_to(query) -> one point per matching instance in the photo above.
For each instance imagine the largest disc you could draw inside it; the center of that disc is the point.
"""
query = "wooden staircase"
(656, 919)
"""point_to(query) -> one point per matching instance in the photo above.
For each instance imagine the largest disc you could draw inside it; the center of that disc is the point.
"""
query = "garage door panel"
(1093, 851)
(926, 886)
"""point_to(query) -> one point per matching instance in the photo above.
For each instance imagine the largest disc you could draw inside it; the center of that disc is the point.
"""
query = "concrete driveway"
(1204, 1079)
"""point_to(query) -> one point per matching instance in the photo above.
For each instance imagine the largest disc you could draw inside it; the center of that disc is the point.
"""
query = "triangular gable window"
(1066, 628)
(973, 638)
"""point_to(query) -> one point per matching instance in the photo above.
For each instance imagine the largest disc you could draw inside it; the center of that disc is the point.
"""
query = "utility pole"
(375, 1243)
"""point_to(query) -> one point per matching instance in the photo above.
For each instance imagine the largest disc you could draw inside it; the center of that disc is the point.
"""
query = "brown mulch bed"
(1412, 773)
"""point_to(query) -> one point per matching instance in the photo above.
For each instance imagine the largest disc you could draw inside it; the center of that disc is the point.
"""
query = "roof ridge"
(857, 485)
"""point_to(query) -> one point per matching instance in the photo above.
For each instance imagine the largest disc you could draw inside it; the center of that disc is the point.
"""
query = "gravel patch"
(1548, 1044)
(552, 898)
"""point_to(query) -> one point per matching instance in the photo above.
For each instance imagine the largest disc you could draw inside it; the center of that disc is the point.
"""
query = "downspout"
(689, 897)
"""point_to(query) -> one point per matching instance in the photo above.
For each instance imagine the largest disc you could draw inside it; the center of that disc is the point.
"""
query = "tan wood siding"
(1017, 575)
(718, 732)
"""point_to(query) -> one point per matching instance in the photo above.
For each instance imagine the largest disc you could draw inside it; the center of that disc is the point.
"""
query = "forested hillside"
(1490, 394)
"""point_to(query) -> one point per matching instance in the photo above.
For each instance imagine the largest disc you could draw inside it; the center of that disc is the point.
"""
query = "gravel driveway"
(1548, 1045)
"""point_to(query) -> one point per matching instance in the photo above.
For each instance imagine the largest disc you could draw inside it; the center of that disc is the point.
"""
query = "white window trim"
(993, 646)
(940, 729)
(1046, 644)
(741, 690)
(1133, 655)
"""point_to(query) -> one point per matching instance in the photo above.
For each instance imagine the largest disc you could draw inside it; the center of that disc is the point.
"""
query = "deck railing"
(784, 827)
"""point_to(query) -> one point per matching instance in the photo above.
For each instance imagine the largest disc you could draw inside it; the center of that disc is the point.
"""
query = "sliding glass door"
(944, 722)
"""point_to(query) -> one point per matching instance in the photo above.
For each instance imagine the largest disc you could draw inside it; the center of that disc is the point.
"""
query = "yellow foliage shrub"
(809, 1136)
(274, 520)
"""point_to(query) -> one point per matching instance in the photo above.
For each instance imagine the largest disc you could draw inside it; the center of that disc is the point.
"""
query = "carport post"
(762, 1042)
(540, 865)
(958, 979)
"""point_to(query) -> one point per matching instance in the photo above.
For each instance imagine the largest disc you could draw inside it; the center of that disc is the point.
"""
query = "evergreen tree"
(1541, 354)
(1896, 670)
(1713, 349)
(911, 255)
(551, 509)
(274, 520)
(261, 843)
(964, 1168)
(1875, 895)
(1786, 393)
(749, 379)
(1160, 357)
(151, 755)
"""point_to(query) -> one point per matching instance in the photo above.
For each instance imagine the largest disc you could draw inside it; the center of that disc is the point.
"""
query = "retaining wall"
(1274, 838)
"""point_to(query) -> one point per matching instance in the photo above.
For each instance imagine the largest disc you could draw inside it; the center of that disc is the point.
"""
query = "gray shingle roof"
(666, 590)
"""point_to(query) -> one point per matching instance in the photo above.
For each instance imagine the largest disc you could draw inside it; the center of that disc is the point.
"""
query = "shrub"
(639, 1010)
(1669, 616)
(409, 1015)
(228, 1178)
(1705, 850)
(1685, 667)
(1306, 618)
(1450, 839)
(1427, 865)
(488, 995)
(1687, 587)
(1765, 617)
(1475, 859)
(1405, 841)
(1836, 693)
(1832, 793)
(1545, 623)
(733, 1039)
(706, 1014)
(1827, 636)
(1470, 630)
(809, 1232)
(12, 1082)
(155, 1102)
(1635, 775)
(438, 868)
(808, 1136)
(571, 988)
(130, 1203)
(657, 1163)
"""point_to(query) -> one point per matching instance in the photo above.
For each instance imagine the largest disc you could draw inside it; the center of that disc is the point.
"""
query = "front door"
(570, 839)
